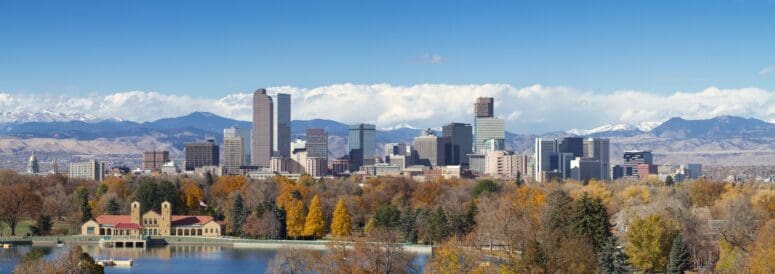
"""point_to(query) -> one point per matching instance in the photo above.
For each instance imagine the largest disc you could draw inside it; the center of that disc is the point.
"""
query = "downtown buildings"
(571, 158)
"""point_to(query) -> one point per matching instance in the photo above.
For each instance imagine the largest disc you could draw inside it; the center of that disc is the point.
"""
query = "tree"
(669, 180)
(167, 191)
(146, 194)
(82, 199)
(16, 201)
(315, 224)
(519, 181)
(191, 194)
(705, 193)
(341, 225)
(42, 225)
(439, 226)
(238, 213)
(611, 259)
(590, 220)
(678, 261)
(484, 186)
(764, 250)
(387, 216)
(295, 215)
(649, 240)
(112, 208)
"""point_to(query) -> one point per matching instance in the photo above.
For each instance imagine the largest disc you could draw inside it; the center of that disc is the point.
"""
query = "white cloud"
(531, 109)
(767, 70)
(432, 59)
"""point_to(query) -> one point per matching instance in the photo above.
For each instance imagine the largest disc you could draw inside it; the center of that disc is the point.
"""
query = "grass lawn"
(23, 227)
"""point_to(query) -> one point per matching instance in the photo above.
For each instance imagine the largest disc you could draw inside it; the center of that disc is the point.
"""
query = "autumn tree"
(763, 251)
(341, 225)
(315, 224)
(227, 185)
(705, 193)
(16, 201)
(295, 213)
(649, 240)
(191, 194)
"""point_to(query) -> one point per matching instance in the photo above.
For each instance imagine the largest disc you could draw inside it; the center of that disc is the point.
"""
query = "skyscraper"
(261, 146)
(153, 160)
(430, 149)
(459, 141)
(573, 145)
(543, 151)
(361, 144)
(244, 133)
(598, 149)
(202, 154)
(489, 129)
(484, 107)
(281, 123)
(233, 153)
(634, 158)
(317, 143)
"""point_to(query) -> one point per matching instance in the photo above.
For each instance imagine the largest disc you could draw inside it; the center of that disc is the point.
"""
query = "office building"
(340, 165)
(505, 164)
(362, 143)
(459, 141)
(281, 125)
(634, 158)
(584, 169)
(573, 145)
(153, 160)
(243, 133)
(430, 149)
(89, 170)
(317, 143)
(263, 132)
(693, 171)
(542, 156)
(484, 107)
(599, 149)
(395, 149)
(489, 129)
(316, 166)
(202, 154)
(233, 154)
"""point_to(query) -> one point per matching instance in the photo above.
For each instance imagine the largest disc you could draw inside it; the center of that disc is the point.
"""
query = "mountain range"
(724, 140)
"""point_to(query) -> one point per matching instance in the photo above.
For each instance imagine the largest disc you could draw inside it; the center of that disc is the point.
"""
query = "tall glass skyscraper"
(261, 144)
(362, 145)
(459, 141)
(281, 123)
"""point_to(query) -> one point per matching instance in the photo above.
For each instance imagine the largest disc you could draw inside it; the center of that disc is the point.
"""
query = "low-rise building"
(151, 223)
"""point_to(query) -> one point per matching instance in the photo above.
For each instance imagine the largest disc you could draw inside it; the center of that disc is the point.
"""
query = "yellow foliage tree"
(315, 224)
(191, 194)
(294, 218)
(227, 185)
(635, 194)
(704, 193)
(649, 241)
(529, 200)
(453, 257)
(118, 186)
(765, 200)
(341, 224)
(730, 258)
(763, 254)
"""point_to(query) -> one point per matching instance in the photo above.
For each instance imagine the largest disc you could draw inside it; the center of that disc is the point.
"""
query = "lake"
(171, 258)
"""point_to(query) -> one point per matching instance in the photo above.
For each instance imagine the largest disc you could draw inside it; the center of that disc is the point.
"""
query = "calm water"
(170, 259)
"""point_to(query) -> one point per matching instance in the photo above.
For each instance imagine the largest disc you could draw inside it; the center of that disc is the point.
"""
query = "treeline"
(483, 225)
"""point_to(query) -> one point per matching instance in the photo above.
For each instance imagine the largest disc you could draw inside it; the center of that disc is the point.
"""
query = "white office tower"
(233, 154)
(488, 128)
(542, 153)
(281, 124)
(243, 133)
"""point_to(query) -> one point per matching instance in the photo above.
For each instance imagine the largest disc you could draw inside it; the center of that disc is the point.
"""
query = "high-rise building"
(244, 133)
(489, 129)
(154, 160)
(585, 168)
(233, 154)
(317, 143)
(32, 165)
(361, 144)
(206, 153)
(694, 170)
(573, 145)
(460, 139)
(501, 163)
(90, 170)
(281, 123)
(599, 149)
(263, 132)
(484, 107)
(395, 149)
(634, 158)
(430, 149)
(542, 153)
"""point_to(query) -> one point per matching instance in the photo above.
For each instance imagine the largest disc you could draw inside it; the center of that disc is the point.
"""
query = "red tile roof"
(112, 219)
(127, 226)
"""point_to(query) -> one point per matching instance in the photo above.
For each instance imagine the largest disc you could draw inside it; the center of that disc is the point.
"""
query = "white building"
(90, 170)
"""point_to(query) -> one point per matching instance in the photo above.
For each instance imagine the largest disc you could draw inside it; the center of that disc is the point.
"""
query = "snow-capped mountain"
(44, 116)
(642, 127)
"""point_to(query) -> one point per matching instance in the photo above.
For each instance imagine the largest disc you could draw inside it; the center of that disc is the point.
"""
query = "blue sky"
(214, 48)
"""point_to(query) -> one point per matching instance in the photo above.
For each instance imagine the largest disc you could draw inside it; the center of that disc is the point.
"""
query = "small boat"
(60, 243)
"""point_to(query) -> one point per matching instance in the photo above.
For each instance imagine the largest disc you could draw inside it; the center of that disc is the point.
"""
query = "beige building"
(501, 163)
(233, 154)
(151, 223)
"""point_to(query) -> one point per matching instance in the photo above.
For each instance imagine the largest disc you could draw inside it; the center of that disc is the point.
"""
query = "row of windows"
(149, 221)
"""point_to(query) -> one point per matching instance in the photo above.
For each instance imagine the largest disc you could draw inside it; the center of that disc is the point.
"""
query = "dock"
(123, 242)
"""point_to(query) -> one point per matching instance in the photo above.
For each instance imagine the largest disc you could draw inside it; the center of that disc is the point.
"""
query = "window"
(89, 230)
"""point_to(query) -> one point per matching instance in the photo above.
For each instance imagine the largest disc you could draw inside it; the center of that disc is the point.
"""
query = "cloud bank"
(531, 109)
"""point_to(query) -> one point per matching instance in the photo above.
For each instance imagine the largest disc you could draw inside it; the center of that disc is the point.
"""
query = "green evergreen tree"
(112, 208)
(559, 207)
(82, 199)
(439, 226)
(238, 213)
(42, 225)
(590, 220)
(146, 194)
(408, 227)
(483, 186)
(678, 261)
(102, 189)
(387, 216)
(611, 258)
(519, 181)
(669, 180)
